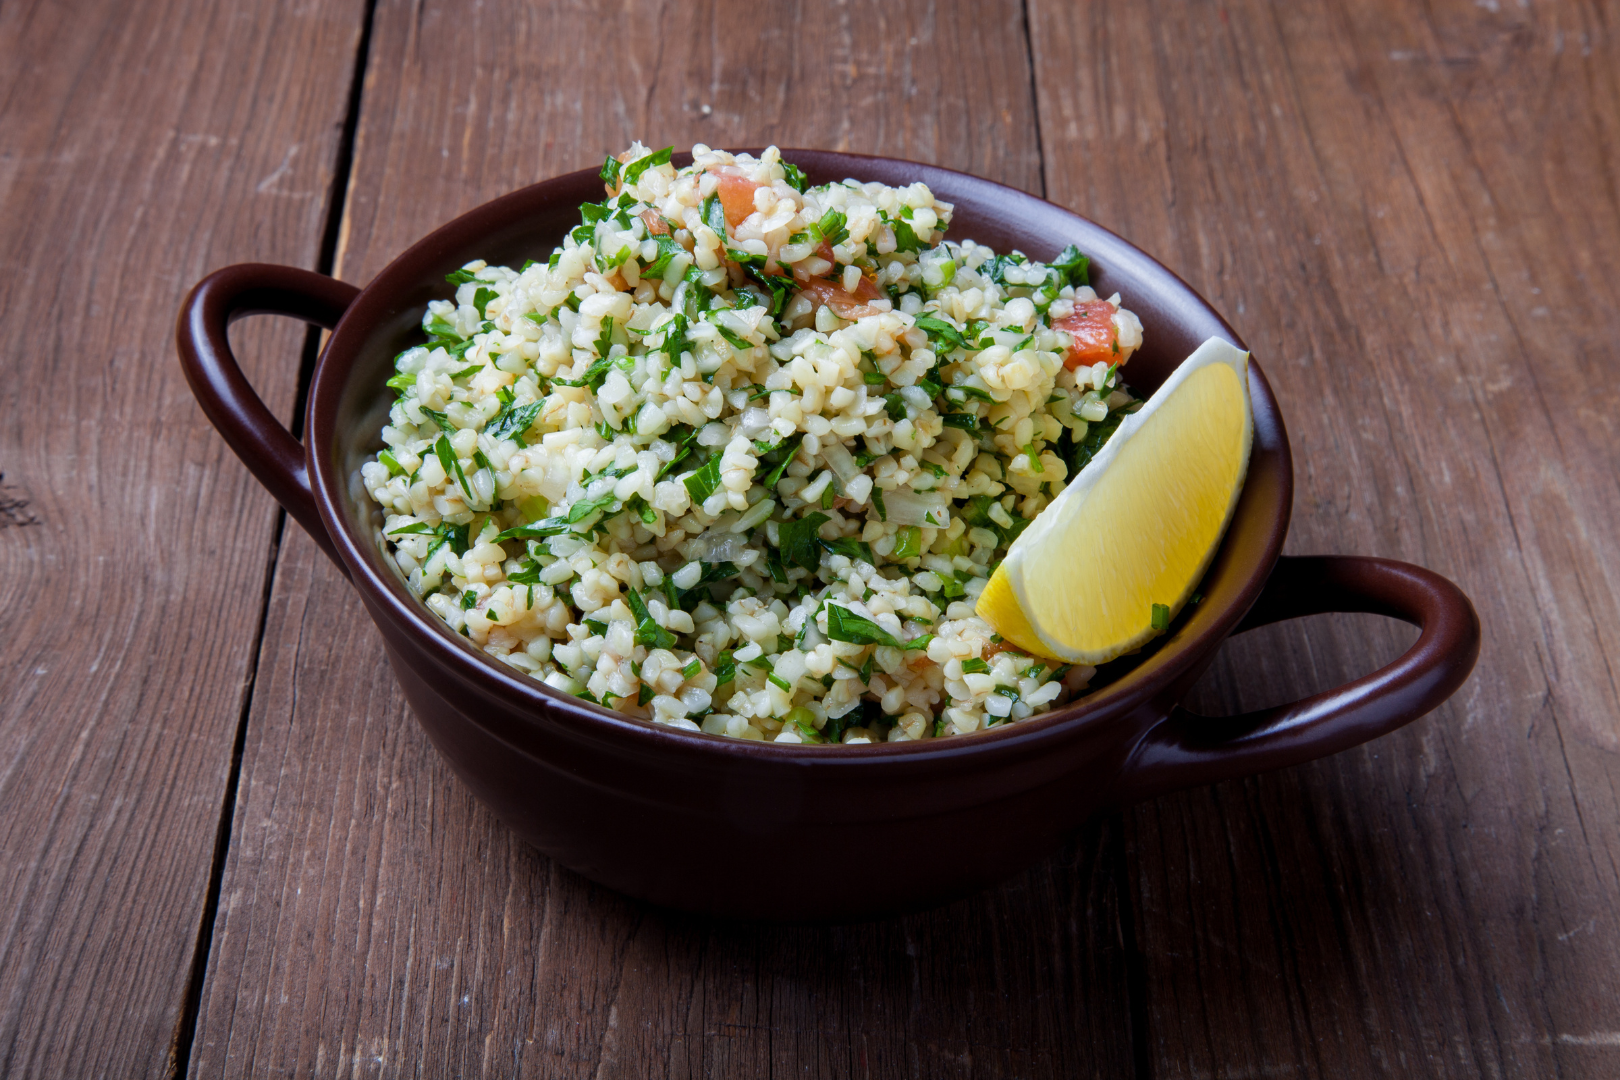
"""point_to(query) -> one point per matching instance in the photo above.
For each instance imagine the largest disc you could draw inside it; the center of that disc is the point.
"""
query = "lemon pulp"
(1138, 526)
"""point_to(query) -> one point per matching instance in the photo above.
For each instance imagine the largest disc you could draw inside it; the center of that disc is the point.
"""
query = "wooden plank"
(1410, 212)
(373, 918)
(144, 144)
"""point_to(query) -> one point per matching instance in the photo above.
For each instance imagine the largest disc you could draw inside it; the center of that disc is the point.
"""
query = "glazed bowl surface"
(802, 832)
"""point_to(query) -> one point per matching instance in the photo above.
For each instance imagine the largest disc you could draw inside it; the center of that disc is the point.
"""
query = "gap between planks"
(337, 198)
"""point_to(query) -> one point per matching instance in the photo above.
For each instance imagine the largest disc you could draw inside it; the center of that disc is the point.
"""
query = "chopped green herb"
(1073, 265)
(777, 680)
(610, 171)
(845, 625)
(667, 250)
(481, 300)
(831, 227)
(977, 513)
(644, 694)
(907, 543)
(803, 722)
(850, 548)
(789, 450)
(594, 375)
(586, 507)
(1161, 617)
(975, 666)
(452, 465)
(394, 467)
(874, 378)
(798, 542)
(633, 171)
(905, 237)
(648, 632)
(469, 600)
(604, 340)
(683, 445)
(714, 215)
(833, 730)
(692, 668)
(596, 626)
(942, 331)
(965, 421)
(960, 394)
(877, 501)
(511, 423)
(735, 340)
(703, 483)
(725, 669)
(538, 530)
(460, 277)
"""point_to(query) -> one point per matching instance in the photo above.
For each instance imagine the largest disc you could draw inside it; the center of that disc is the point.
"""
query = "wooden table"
(228, 850)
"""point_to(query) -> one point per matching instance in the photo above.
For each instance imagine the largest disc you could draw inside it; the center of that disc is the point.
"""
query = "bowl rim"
(386, 595)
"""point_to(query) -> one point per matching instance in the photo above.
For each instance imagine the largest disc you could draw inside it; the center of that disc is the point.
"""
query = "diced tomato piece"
(844, 304)
(736, 193)
(656, 225)
(1092, 329)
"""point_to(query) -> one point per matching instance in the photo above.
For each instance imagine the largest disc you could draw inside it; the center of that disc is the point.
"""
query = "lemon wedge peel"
(1138, 526)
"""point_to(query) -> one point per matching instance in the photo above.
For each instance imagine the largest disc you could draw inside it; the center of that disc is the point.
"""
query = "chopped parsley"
(703, 483)
(844, 625)
(798, 541)
(633, 171)
(648, 632)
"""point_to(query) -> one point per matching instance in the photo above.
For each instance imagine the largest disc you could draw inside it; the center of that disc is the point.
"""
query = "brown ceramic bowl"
(812, 832)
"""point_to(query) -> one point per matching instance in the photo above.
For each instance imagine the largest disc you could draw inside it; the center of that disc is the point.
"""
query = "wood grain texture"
(1411, 213)
(141, 145)
(373, 919)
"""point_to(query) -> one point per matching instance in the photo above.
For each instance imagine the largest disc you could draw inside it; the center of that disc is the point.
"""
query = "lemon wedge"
(1138, 526)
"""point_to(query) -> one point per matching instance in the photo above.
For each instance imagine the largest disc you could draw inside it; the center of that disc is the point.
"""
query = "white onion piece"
(718, 547)
(906, 507)
(754, 421)
(839, 460)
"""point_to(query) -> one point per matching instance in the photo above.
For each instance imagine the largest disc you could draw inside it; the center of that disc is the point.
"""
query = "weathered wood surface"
(1411, 213)
(141, 145)
(372, 916)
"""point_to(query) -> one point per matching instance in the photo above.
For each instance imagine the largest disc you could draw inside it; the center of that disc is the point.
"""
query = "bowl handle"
(227, 399)
(1185, 749)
